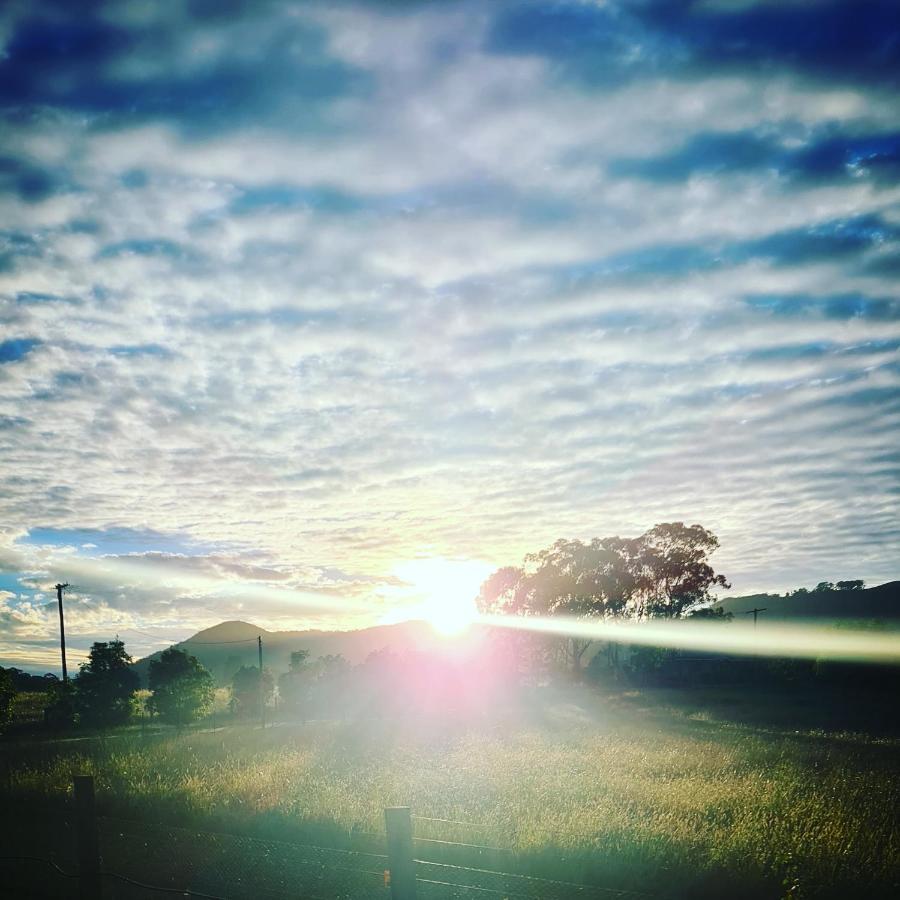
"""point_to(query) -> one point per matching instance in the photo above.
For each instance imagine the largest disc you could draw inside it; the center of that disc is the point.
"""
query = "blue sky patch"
(16, 349)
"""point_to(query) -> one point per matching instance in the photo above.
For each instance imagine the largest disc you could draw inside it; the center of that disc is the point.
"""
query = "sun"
(444, 591)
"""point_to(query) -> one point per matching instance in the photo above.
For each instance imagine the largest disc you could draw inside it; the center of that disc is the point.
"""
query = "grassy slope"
(653, 793)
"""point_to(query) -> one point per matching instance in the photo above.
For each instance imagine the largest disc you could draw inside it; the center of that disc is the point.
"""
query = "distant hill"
(881, 602)
(226, 647)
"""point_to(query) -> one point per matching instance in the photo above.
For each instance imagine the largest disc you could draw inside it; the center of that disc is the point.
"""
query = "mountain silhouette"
(875, 603)
(226, 647)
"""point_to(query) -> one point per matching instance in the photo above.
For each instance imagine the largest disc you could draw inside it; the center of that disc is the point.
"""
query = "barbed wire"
(452, 822)
(184, 892)
(246, 865)
(472, 887)
(538, 881)
(424, 840)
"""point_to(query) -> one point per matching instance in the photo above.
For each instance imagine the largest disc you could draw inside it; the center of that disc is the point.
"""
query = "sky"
(314, 312)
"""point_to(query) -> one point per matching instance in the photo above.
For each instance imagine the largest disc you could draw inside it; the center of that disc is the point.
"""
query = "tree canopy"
(105, 684)
(182, 688)
(246, 691)
(663, 573)
(294, 685)
(7, 693)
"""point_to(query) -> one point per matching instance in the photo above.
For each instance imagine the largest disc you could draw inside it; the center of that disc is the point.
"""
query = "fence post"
(400, 853)
(89, 887)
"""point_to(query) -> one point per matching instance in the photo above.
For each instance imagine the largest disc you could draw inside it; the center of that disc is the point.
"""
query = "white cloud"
(428, 352)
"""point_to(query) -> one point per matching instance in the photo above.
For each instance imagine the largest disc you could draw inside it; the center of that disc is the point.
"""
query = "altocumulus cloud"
(294, 292)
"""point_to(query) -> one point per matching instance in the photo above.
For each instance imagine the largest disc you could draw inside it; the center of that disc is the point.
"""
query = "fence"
(92, 856)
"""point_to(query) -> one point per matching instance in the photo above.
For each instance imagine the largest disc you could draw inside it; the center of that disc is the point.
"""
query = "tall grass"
(666, 803)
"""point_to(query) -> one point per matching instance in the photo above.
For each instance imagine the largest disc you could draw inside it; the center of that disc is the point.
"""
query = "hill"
(877, 603)
(226, 647)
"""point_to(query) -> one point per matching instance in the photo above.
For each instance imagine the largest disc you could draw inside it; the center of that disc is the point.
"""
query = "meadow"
(634, 791)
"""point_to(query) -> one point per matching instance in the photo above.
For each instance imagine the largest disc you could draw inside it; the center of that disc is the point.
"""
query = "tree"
(711, 614)
(672, 572)
(7, 694)
(580, 580)
(332, 676)
(663, 573)
(245, 690)
(61, 709)
(504, 592)
(182, 688)
(293, 685)
(508, 592)
(857, 585)
(105, 683)
(823, 586)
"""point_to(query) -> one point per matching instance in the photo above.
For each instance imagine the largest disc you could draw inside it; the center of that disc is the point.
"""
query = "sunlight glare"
(445, 590)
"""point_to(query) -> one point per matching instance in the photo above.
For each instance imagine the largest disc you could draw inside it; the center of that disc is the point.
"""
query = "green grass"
(626, 792)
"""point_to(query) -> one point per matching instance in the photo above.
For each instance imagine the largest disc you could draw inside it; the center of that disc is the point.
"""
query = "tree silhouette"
(856, 585)
(245, 690)
(7, 694)
(663, 573)
(671, 570)
(294, 685)
(105, 684)
(182, 688)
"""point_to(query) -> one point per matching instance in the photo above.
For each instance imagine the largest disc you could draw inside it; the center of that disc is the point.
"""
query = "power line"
(242, 641)
(188, 640)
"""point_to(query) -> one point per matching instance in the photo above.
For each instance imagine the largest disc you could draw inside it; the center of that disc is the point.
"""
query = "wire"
(242, 641)
(39, 859)
(114, 820)
(163, 637)
(186, 892)
(452, 822)
(187, 640)
(472, 887)
(467, 846)
(149, 887)
(534, 878)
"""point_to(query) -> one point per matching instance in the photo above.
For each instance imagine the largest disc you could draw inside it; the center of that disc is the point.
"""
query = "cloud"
(294, 294)
(603, 43)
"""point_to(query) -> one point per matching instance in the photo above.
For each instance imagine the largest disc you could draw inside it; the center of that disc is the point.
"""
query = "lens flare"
(803, 641)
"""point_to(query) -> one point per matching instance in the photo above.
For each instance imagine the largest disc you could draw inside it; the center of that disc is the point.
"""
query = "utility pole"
(755, 612)
(62, 630)
(262, 693)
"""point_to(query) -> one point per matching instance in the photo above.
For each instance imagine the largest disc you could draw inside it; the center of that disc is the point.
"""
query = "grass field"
(672, 794)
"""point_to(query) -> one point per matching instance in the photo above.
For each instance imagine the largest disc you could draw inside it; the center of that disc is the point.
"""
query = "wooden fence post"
(400, 853)
(89, 882)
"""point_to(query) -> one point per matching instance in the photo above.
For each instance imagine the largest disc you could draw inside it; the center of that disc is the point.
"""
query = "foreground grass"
(627, 794)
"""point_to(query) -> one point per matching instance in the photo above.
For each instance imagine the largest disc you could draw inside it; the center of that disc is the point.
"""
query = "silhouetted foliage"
(24, 681)
(332, 675)
(229, 667)
(182, 689)
(711, 614)
(7, 694)
(105, 684)
(61, 710)
(856, 585)
(664, 573)
(246, 693)
(294, 685)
